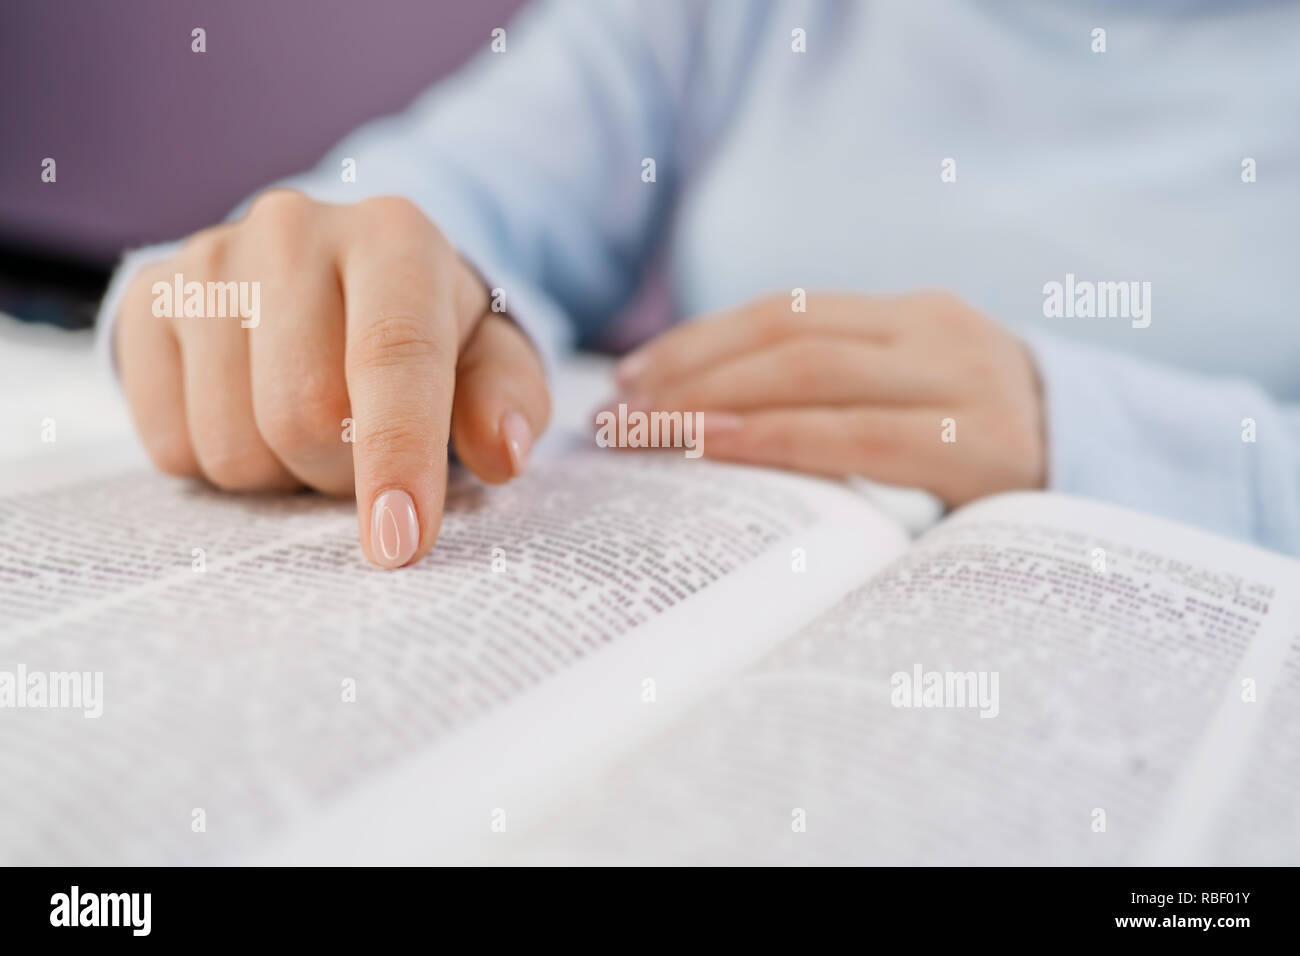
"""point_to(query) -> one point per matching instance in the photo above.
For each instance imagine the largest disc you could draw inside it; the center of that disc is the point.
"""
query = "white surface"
(48, 373)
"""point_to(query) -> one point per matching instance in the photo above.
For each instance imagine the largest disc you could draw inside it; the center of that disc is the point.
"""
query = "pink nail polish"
(519, 441)
(394, 529)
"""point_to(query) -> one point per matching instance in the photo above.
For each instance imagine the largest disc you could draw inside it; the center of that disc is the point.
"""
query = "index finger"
(400, 367)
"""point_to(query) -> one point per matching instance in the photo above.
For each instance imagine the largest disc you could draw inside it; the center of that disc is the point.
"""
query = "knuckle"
(945, 307)
(303, 422)
(398, 437)
(321, 398)
(392, 339)
(280, 208)
(204, 250)
(233, 463)
(397, 211)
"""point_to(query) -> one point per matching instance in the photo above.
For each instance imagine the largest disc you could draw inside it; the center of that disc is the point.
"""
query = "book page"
(1261, 823)
(204, 677)
(1039, 680)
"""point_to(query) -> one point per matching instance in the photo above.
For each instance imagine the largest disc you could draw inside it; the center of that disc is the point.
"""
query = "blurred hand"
(917, 390)
(366, 314)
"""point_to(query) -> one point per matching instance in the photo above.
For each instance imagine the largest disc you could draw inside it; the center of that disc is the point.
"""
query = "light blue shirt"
(825, 169)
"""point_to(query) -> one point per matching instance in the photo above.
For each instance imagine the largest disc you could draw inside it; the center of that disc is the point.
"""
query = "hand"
(365, 312)
(917, 390)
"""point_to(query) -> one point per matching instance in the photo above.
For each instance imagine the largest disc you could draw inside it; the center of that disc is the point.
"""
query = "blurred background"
(152, 141)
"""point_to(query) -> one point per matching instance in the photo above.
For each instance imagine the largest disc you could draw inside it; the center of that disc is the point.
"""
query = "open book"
(632, 657)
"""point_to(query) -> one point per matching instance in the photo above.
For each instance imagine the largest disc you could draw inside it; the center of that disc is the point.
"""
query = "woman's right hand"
(364, 344)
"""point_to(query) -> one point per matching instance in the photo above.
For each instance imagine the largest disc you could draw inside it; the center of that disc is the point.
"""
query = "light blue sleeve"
(1216, 453)
(530, 159)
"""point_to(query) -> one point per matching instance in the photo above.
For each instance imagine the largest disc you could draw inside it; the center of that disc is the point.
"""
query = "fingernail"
(630, 368)
(519, 441)
(721, 421)
(394, 529)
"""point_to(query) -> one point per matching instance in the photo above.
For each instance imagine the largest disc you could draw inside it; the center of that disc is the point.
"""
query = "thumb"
(502, 404)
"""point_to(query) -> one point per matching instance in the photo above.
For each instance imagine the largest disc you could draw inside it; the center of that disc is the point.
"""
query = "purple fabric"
(152, 140)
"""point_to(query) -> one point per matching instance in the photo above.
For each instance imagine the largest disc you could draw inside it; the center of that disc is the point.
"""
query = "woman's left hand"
(918, 389)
